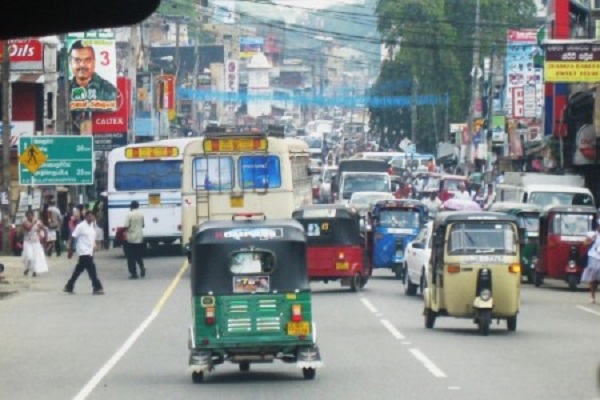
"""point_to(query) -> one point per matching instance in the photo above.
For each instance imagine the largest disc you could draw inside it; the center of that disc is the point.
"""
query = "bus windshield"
(482, 238)
(148, 175)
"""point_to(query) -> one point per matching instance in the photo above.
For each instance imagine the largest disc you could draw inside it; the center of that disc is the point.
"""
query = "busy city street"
(132, 344)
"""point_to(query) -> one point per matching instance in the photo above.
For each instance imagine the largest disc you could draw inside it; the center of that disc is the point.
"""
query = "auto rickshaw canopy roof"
(567, 209)
(515, 208)
(447, 217)
(325, 211)
(217, 243)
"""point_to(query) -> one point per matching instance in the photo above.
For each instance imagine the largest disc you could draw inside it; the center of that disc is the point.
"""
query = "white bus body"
(149, 173)
(269, 176)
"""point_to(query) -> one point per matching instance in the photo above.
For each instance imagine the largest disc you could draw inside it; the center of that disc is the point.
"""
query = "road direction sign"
(32, 158)
(69, 160)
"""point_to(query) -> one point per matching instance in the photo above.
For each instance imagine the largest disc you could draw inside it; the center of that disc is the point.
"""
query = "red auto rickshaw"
(336, 248)
(563, 230)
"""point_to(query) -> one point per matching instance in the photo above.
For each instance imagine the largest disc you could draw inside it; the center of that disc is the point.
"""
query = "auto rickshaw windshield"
(572, 224)
(490, 237)
(401, 218)
(531, 223)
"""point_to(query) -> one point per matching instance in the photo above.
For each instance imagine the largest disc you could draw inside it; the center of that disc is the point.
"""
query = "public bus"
(231, 172)
(151, 174)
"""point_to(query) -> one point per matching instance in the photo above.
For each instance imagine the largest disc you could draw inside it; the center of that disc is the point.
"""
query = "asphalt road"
(132, 344)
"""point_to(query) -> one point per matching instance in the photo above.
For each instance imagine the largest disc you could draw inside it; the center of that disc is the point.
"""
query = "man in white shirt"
(462, 193)
(433, 204)
(85, 237)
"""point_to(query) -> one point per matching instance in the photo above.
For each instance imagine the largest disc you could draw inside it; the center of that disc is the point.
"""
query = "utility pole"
(490, 113)
(6, 192)
(132, 65)
(67, 91)
(195, 86)
(413, 109)
(474, 84)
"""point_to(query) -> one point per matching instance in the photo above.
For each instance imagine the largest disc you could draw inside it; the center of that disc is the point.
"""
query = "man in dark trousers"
(84, 235)
(134, 224)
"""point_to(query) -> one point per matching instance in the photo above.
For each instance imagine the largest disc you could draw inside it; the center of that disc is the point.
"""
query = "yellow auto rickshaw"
(474, 271)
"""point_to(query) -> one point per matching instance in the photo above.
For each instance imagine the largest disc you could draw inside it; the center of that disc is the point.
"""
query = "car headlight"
(485, 294)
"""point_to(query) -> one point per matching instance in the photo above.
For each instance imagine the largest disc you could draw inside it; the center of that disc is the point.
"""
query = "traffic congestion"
(293, 199)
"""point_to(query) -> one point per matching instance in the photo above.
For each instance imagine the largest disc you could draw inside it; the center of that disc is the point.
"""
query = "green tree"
(435, 38)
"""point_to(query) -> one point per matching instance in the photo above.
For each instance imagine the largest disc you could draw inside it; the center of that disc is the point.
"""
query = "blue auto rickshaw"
(395, 224)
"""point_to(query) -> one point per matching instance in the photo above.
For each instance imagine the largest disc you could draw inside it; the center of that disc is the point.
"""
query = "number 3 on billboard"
(105, 58)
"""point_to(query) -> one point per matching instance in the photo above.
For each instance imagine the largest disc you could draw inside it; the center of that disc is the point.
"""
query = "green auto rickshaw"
(528, 216)
(251, 300)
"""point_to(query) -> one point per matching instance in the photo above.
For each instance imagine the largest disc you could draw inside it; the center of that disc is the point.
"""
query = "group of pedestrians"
(84, 237)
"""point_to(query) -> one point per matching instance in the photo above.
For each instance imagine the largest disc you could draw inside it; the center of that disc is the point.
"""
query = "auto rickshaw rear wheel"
(197, 377)
(429, 318)
(572, 281)
(484, 321)
(244, 366)
(309, 373)
(356, 283)
(511, 323)
(538, 279)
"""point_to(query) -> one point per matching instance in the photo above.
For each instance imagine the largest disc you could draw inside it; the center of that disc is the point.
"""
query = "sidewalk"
(13, 281)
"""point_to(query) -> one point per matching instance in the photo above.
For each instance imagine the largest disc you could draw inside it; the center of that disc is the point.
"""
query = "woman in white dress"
(592, 273)
(34, 256)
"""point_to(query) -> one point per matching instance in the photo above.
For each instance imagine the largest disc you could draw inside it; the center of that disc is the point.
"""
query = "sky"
(316, 3)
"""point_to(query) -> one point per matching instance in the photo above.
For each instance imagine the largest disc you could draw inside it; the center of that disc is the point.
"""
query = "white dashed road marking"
(427, 363)
(392, 329)
(368, 304)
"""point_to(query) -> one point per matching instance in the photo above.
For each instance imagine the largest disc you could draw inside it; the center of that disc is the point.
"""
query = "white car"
(417, 255)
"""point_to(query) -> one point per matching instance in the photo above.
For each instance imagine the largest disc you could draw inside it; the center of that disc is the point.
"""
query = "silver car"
(325, 184)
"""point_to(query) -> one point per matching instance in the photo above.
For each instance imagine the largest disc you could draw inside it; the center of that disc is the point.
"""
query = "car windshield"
(561, 198)
(572, 224)
(399, 219)
(482, 238)
(365, 183)
(451, 185)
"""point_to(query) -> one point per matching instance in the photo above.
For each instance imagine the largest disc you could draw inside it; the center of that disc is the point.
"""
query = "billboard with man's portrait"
(92, 71)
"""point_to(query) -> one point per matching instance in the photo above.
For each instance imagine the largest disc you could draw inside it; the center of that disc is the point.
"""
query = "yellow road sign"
(33, 158)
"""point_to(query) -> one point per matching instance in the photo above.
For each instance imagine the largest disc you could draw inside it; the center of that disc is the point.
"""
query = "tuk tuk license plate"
(236, 202)
(154, 199)
(298, 328)
(342, 266)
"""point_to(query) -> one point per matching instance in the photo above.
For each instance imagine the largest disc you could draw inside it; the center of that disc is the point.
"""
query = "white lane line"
(368, 304)
(406, 342)
(392, 329)
(427, 363)
(588, 310)
(91, 385)
(453, 387)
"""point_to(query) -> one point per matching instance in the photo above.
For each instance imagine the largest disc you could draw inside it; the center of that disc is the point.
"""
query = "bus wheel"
(244, 366)
(197, 377)
(309, 373)
(356, 283)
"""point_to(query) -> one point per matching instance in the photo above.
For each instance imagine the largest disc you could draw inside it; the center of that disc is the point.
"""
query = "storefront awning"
(27, 78)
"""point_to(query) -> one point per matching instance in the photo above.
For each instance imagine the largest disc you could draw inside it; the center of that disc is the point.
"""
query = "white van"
(544, 195)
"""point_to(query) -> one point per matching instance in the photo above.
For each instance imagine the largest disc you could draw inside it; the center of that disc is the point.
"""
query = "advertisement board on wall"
(579, 62)
(25, 54)
(92, 71)
(250, 45)
(522, 75)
